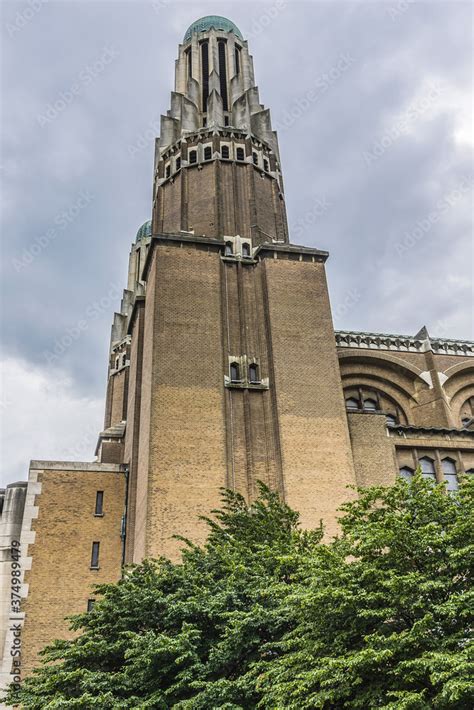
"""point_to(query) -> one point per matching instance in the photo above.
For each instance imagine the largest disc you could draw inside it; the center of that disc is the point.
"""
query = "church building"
(224, 370)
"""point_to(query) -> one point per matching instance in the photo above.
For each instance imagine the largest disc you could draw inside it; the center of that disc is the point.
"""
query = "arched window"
(391, 419)
(193, 156)
(370, 405)
(229, 249)
(255, 158)
(245, 250)
(406, 472)
(234, 372)
(225, 152)
(352, 403)
(207, 152)
(253, 373)
(240, 154)
(427, 468)
(450, 474)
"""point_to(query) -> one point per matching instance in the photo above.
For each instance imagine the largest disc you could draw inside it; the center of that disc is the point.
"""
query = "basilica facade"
(224, 370)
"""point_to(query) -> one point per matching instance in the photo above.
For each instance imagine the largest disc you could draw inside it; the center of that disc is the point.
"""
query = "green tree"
(265, 615)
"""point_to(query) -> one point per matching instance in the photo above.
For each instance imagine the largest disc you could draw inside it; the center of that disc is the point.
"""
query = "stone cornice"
(403, 343)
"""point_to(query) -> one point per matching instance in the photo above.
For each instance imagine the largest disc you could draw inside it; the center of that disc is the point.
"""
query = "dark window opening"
(226, 120)
(99, 503)
(95, 555)
(245, 249)
(253, 373)
(255, 158)
(90, 604)
(229, 249)
(391, 419)
(240, 154)
(193, 156)
(407, 473)
(207, 153)
(427, 468)
(204, 122)
(223, 74)
(352, 403)
(205, 74)
(266, 166)
(178, 163)
(370, 405)
(237, 60)
(189, 57)
(168, 171)
(225, 151)
(234, 372)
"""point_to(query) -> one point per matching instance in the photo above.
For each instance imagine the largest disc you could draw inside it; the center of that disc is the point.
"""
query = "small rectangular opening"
(95, 555)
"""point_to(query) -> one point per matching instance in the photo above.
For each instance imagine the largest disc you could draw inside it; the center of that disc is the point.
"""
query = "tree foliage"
(265, 615)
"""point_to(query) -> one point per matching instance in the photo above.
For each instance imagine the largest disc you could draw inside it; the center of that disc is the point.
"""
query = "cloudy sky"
(373, 103)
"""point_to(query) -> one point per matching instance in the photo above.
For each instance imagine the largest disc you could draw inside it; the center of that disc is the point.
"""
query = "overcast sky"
(373, 103)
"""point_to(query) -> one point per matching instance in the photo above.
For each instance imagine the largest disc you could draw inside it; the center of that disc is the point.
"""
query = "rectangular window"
(95, 555)
(90, 604)
(178, 163)
(237, 60)
(205, 74)
(223, 73)
(192, 156)
(207, 153)
(99, 503)
(240, 154)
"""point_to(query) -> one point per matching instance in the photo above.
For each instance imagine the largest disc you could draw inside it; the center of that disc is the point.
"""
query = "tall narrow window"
(255, 158)
(253, 373)
(407, 473)
(229, 249)
(207, 153)
(266, 166)
(240, 154)
(90, 604)
(245, 250)
(178, 163)
(226, 120)
(234, 372)
(237, 60)
(223, 74)
(99, 503)
(427, 468)
(168, 171)
(225, 152)
(95, 555)
(189, 57)
(193, 156)
(450, 474)
(205, 74)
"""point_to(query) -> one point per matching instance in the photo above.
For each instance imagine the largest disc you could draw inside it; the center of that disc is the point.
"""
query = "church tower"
(222, 359)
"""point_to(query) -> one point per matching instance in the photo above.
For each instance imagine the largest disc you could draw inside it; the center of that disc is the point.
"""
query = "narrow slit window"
(207, 153)
(237, 60)
(193, 156)
(95, 555)
(240, 154)
(225, 152)
(189, 57)
(168, 171)
(99, 503)
(205, 74)
(253, 373)
(90, 604)
(234, 372)
(226, 120)
(178, 163)
(223, 73)
(255, 158)
(266, 166)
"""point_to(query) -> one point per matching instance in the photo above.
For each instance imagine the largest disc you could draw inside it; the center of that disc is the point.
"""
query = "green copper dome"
(144, 231)
(216, 22)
